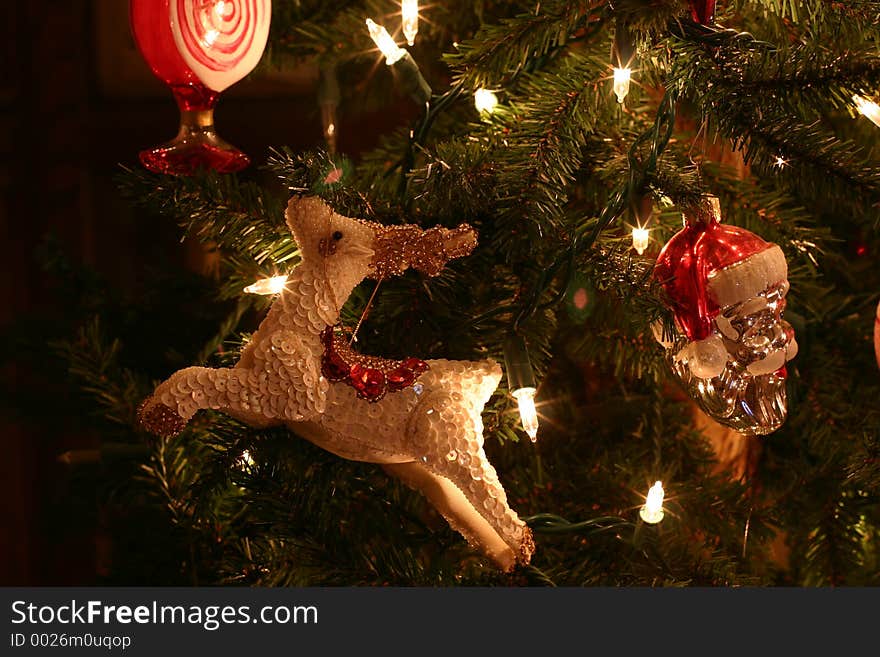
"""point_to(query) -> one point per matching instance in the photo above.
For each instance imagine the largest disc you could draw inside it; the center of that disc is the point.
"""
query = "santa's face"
(749, 392)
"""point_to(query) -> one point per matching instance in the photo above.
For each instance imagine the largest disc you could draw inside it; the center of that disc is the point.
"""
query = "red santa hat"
(703, 11)
(708, 266)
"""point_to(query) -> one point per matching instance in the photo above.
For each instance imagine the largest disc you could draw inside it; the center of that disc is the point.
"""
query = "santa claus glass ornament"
(726, 288)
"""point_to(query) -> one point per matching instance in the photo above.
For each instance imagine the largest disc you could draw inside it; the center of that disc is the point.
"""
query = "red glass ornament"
(198, 48)
(703, 246)
(703, 11)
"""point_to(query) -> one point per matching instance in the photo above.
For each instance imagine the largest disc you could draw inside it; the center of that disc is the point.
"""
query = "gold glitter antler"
(428, 251)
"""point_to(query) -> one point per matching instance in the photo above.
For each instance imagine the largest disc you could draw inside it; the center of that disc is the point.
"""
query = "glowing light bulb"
(640, 239)
(211, 37)
(485, 100)
(652, 511)
(409, 19)
(525, 398)
(245, 460)
(393, 53)
(274, 285)
(780, 162)
(868, 109)
(622, 78)
(220, 8)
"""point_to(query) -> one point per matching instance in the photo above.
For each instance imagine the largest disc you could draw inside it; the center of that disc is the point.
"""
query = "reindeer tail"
(475, 380)
(486, 375)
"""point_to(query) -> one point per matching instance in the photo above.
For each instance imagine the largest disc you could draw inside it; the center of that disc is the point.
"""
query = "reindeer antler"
(428, 251)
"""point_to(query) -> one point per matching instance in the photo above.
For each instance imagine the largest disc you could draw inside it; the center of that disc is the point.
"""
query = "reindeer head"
(347, 250)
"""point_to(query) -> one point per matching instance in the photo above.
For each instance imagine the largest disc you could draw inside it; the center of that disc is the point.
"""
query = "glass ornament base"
(196, 147)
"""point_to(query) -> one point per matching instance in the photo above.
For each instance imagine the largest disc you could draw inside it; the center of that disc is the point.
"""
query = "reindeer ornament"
(419, 420)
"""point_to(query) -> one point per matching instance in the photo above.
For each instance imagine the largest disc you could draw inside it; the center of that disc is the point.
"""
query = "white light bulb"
(245, 460)
(652, 511)
(780, 162)
(525, 398)
(640, 237)
(485, 100)
(385, 43)
(409, 19)
(274, 285)
(622, 77)
(868, 109)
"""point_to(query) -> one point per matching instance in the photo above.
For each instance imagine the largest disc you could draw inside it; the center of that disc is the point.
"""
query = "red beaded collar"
(371, 377)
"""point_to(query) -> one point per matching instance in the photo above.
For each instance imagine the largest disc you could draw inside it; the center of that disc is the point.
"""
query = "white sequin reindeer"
(420, 420)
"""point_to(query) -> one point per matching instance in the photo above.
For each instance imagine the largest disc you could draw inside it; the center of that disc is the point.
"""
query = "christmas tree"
(653, 220)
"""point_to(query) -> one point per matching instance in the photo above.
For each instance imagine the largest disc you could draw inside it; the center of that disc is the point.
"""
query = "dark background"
(76, 102)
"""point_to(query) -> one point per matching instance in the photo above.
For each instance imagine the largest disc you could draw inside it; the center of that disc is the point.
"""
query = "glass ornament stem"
(197, 144)
(195, 120)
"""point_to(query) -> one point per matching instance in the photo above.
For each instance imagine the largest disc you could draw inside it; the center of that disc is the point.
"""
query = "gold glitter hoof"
(160, 419)
(527, 547)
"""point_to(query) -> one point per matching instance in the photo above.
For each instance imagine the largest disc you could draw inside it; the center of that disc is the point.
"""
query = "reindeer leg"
(448, 438)
(236, 392)
(479, 483)
(452, 504)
